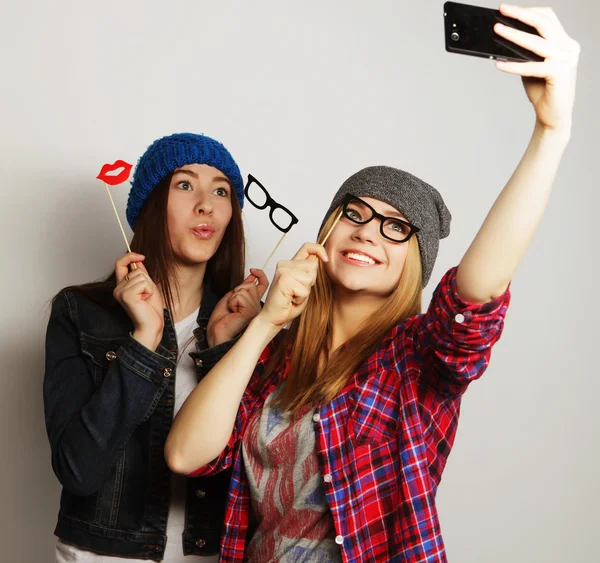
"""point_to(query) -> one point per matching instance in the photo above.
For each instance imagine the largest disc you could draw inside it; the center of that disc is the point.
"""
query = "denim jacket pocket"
(101, 352)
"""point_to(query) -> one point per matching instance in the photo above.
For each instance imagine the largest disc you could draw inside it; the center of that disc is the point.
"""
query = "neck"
(187, 292)
(350, 309)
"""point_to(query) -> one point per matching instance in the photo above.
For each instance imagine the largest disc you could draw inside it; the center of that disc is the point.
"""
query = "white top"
(185, 381)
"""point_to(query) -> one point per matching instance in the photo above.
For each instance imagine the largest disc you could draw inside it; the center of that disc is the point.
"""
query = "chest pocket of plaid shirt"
(375, 414)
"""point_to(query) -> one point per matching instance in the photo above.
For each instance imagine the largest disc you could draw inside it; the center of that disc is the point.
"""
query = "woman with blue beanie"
(339, 436)
(123, 354)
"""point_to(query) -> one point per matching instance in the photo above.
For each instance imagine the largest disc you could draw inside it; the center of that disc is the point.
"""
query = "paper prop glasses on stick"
(108, 176)
(281, 217)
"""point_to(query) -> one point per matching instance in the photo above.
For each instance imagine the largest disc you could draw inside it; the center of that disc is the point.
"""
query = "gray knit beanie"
(422, 205)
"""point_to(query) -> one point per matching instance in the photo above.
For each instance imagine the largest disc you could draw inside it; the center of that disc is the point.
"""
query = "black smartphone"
(469, 30)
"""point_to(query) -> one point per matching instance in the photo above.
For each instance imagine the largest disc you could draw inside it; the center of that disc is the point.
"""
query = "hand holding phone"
(469, 30)
(549, 77)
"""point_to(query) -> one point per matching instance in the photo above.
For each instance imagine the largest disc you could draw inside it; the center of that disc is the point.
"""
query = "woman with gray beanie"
(339, 437)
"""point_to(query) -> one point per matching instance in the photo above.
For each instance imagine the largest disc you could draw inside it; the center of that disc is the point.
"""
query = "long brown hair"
(316, 376)
(151, 238)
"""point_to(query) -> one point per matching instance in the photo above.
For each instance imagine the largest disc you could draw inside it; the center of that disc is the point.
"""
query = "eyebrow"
(183, 171)
(394, 213)
(194, 175)
(222, 179)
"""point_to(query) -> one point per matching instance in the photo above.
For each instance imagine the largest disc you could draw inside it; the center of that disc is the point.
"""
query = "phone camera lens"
(454, 36)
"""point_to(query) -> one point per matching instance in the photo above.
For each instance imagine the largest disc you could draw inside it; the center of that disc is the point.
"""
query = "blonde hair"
(313, 375)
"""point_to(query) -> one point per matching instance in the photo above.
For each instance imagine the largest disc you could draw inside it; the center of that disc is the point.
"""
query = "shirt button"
(200, 493)
(327, 478)
(339, 540)
(200, 543)
(316, 417)
(110, 356)
(199, 362)
(459, 318)
(166, 372)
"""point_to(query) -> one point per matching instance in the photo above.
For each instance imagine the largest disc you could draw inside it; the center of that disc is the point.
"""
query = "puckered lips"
(107, 174)
(204, 231)
(359, 258)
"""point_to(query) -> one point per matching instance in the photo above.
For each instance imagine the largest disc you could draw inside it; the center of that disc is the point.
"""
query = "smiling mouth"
(359, 258)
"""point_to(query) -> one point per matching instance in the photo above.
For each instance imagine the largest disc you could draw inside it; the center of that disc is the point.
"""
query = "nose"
(203, 204)
(367, 232)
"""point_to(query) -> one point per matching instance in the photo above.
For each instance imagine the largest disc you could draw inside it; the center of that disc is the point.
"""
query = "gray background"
(304, 94)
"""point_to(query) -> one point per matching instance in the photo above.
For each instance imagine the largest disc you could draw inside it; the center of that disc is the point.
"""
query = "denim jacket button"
(166, 372)
(200, 543)
(199, 362)
(110, 356)
(200, 493)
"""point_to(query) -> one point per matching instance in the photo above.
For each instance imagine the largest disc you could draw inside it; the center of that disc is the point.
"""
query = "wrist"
(211, 341)
(215, 337)
(148, 339)
(214, 340)
(560, 134)
(263, 328)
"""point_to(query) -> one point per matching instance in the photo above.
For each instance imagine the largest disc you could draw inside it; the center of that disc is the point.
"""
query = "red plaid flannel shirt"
(383, 442)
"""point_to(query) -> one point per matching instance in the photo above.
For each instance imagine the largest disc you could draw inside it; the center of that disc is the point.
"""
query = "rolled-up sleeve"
(454, 338)
(225, 459)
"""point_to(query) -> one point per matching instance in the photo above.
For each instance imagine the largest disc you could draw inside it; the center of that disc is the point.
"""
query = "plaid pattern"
(383, 442)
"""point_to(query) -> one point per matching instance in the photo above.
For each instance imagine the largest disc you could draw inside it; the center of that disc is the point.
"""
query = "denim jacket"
(108, 405)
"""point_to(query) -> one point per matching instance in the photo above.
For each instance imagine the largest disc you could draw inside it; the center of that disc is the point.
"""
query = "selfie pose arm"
(203, 426)
(494, 255)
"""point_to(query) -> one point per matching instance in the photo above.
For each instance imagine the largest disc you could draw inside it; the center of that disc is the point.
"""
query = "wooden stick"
(339, 216)
(133, 265)
(274, 250)
(332, 226)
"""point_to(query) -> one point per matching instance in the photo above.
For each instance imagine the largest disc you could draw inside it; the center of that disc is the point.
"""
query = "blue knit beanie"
(174, 151)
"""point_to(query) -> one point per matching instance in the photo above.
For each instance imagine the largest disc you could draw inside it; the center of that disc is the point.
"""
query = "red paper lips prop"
(107, 173)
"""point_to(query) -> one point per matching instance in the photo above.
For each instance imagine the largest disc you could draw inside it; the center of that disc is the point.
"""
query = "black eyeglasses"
(257, 195)
(392, 228)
